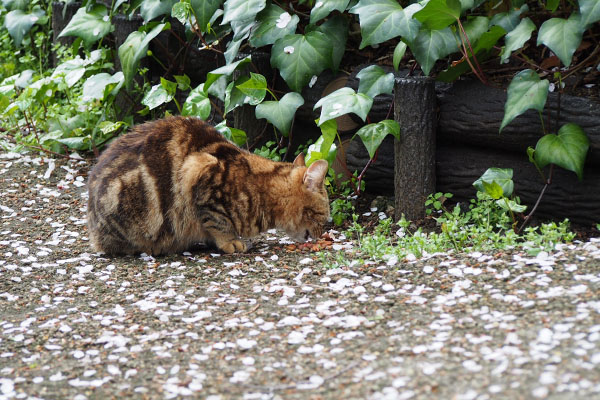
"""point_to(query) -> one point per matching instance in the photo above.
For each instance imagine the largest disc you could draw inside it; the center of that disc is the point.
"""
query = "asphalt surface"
(275, 323)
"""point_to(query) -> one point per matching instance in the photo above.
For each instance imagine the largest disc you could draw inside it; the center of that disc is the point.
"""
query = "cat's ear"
(315, 175)
(299, 161)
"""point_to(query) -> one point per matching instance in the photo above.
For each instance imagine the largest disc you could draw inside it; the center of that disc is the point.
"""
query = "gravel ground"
(274, 323)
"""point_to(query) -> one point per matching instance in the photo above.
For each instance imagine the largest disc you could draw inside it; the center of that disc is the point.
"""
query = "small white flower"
(288, 49)
(106, 18)
(283, 20)
(312, 82)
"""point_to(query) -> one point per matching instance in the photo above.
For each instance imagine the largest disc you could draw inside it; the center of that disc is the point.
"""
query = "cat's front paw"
(234, 246)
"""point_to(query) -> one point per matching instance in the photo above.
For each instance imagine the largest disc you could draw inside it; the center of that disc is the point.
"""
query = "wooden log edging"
(414, 153)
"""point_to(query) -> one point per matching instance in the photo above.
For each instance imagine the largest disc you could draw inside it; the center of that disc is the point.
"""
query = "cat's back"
(159, 143)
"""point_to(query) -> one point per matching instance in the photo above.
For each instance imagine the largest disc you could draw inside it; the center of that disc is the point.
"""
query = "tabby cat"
(174, 182)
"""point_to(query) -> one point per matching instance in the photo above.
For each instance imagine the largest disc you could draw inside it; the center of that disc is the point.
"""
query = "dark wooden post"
(414, 173)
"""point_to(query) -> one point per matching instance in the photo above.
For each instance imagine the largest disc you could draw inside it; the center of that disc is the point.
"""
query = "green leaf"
(134, 49)
(15, 4)
(94, 88)
(398, 54)
(197, 103)
(183, 81)
(381, 20)
(323, 148)
(526, 91)
(273, 24)
(343, 101)
(373, 134)
(552, 5)
(89, 26)
(225, 70)
(181, 11)
(475, 27)
(323, 8)
(156, 96)
(493, 189)
(204, 11)
(590, 12)
(18, 23)
(169, 86)
(438, 14)
(482, 50)
(500, 176)
(562, 36)
(430, 46)
(151, 9)
(511, 205)
(374, 81)
(245, 90)
(77, 143)
(237, 136)
(71, 71)
(336, 30)
(299, 57)
(4, 102)
(509, 20)
(239, 10)
(280, 113)
(516, 38)
(568, 149)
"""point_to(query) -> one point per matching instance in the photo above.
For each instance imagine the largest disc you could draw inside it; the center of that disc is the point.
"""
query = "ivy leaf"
(482, 52)
(239, 10)
(89, 26)
(151, 9)
(516, 38)
(321, 9)
(280, 113)
(398, 54)
(500, 176)
(225, 70)
(133, 49)
(15, 4)
(237, 136)
(511, 205)
(343, 101)
(204, 11)
(526, 91)
(373, 134)
(336, 29)
(245, 90)
(590, 12)
(429, 46)
(323, 148)
(156, 96)
(562, 36)
(197, 103)
(374, 81)
(509, 20)
(299, 57)
(181, 11)
(438, 14)
(381, 20)
(273, 23)
(475, 27)
(493, 189)
(71, 71)
(95, 87)
(18, 23)
(568, 149)
(77, 143)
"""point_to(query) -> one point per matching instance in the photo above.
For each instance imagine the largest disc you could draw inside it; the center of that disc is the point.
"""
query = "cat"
(171, 183)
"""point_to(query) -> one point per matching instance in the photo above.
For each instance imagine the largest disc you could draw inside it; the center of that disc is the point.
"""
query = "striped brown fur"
(174, 182)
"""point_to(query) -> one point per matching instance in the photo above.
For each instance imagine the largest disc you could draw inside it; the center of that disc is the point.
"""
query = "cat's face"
(314, 203)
